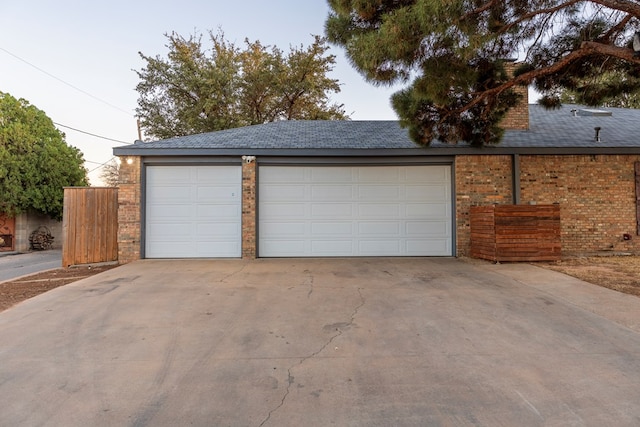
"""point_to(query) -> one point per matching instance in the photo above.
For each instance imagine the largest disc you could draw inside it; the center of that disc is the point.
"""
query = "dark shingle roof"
(560, 128)
(549, 129)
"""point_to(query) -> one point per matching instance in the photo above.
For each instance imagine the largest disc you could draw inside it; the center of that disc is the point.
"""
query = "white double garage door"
(303, 211)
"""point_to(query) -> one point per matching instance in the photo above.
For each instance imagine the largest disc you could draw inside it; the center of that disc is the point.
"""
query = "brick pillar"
(129, 213)
(249, 209)
(517, 118)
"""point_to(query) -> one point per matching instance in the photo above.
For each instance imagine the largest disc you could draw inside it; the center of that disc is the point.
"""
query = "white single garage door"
(193, 211)
(307, 211)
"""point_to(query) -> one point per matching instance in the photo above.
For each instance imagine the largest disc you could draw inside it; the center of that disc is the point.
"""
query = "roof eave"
(373, 152)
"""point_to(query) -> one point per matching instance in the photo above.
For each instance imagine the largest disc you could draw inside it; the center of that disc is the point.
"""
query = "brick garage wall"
(480, 181)
(129, 212)
(596, 194)
(249, 209)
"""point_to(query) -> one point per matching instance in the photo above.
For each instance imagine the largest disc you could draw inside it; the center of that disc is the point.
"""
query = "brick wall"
(596, 196)
(129, 213)
(480, 180)
(249, 210)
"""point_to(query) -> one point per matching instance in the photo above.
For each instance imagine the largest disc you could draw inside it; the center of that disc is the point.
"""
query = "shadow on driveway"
(358, 342)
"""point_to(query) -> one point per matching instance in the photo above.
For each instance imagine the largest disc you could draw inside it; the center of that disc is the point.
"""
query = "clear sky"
(94, 47)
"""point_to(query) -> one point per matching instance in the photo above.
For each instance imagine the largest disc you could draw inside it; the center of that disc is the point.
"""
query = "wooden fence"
(516, 232)
(89, 225)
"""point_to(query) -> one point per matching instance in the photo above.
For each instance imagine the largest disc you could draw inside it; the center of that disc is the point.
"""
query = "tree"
(581, 93)
(197, 89)
(35, 161)
(110, 174)
(451, 56)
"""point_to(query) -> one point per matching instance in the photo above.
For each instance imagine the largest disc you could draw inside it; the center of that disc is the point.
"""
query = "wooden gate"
(7, 232)
(89, 225)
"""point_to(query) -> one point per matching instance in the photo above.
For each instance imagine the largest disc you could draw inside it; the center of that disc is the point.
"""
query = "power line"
(92, 134)
(101, 165)
(64, 82)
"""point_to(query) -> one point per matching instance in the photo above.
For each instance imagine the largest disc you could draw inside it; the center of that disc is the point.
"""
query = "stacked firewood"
(41, 238)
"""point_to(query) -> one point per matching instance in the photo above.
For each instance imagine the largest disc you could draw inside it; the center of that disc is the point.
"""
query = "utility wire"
(68, 84)
(101, 165)
(92, 134)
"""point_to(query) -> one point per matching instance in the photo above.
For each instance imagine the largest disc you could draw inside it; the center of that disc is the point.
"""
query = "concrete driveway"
(348, 342)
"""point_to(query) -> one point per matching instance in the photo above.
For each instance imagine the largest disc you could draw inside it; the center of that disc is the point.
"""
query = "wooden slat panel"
(516, 232)
(90, 225)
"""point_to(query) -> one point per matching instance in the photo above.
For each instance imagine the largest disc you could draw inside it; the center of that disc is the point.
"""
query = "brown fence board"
(90, 225)
(516, 232)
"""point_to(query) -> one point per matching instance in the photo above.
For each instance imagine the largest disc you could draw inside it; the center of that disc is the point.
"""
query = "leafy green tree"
(450, 55)
(197, 89)
(35, 161)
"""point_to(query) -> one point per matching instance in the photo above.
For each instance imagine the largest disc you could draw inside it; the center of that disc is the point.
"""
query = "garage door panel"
(428, 210)
(331, 193)
(160, 230)
(193, 211)
(427, 228)
(432, 174)
(426, 192)
(433, 247)
(334, 228)
(284, 247)
(165, 211)
(283, 175)
(216, 249)
(332, 247)
(284, 192)
(175, 194)
(378, 210)
(215, 175)
(371, 193)
(218, 212)
(277, 229)
(373, 175)
(355, 211)
(216, 229)
(168, 175)
(376, 247)
(283, 210)
(328, 174)
(219, 193)
(331, 210)
(379, 228)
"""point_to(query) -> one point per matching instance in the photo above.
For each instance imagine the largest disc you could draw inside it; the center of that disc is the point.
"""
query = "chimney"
(517, 118)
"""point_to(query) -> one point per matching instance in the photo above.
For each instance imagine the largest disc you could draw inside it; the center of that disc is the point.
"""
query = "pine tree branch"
(631, 7)
(586, 48)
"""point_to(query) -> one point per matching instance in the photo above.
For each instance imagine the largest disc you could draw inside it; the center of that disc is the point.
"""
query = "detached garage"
(363, 188)
(288, 189)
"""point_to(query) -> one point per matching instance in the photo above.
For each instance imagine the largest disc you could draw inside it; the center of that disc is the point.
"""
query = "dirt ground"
(621, 273)
(14, 291)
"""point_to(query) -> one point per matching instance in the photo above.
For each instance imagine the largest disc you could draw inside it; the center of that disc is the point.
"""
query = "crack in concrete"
(290, 377)
(228, 276)
(309, 282)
